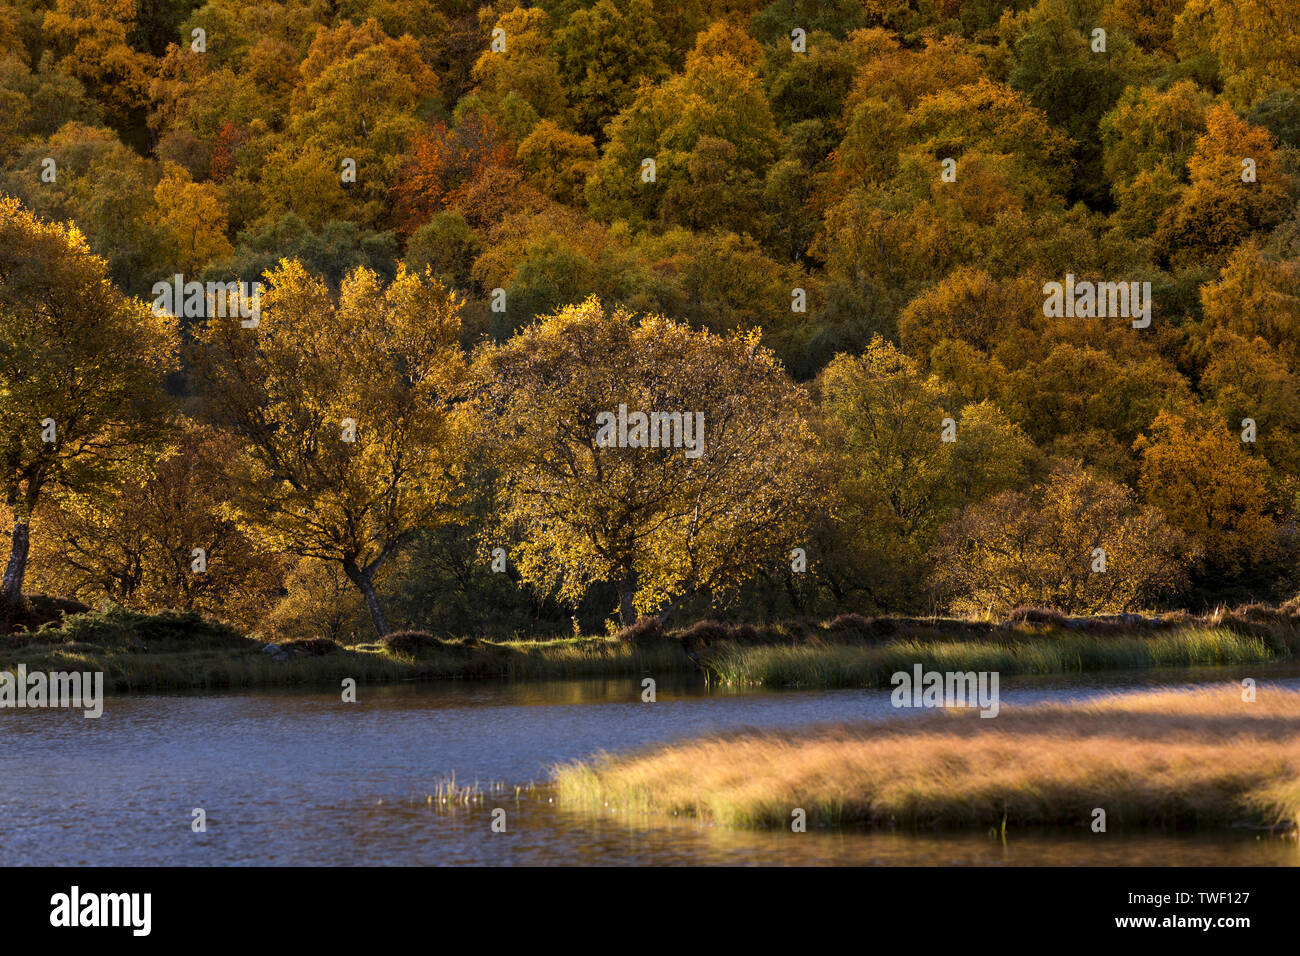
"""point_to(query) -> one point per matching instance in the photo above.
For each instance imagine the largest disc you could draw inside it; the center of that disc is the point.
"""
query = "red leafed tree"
(229, 138)
(444, 162)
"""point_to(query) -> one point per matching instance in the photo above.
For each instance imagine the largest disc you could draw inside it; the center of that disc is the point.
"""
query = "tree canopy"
(830, 229)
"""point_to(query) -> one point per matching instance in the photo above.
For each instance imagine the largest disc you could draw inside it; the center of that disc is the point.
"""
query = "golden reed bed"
(1196, 758)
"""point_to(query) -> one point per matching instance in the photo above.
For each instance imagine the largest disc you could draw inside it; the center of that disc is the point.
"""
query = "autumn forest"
(889, 306)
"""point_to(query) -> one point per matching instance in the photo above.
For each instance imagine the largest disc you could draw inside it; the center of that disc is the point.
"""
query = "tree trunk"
(17, 567)
(367, 588)
(795, 595)
(626, 598)
(666, 612)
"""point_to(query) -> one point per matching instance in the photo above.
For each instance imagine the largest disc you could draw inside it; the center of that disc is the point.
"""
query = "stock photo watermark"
(55, 689)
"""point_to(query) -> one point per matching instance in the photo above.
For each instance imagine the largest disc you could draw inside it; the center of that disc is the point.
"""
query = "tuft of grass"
(1178, 759)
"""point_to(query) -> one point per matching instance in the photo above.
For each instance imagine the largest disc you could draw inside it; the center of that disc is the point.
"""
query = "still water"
(298, 777)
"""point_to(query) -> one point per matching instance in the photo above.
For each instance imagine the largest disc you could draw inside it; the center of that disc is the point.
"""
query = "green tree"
(605, 53)
(905, 459)
(106, 189)
(527, 68)
(709, 131)
(1059, 71)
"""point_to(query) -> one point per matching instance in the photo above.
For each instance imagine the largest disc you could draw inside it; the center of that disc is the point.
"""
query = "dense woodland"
(837, 253)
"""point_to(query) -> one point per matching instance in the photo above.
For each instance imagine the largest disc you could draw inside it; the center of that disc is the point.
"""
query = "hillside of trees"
(829, 229)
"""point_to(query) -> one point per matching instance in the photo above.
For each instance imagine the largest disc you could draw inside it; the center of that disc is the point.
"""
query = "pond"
(301, 778)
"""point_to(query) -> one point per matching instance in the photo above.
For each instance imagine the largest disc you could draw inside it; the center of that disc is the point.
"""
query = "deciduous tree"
(350, 410)
(658, 523)
(161, 539)
(1076, 542)
(1200, 476)
(81, 371)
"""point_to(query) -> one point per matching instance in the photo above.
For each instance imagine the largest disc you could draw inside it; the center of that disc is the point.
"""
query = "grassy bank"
(1171, 759)
(140, 652)
(1059, 652)
(163, 669)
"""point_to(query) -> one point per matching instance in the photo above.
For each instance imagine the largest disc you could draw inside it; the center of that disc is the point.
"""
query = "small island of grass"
(1171, 759)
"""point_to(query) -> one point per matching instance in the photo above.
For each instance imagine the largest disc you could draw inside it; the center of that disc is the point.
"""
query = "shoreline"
(174, 651)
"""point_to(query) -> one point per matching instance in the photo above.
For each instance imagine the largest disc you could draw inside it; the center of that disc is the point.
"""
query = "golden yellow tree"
(1256, 295)
(190, 218)
(709, 131)
(1200, 476)
(692, 500)
(355, 108)
(162, 540)
(1239, 185)
(351, 411)
(1249, 382)
(92, 37)
(1256, 43)
(1076, 542)
(81, 372)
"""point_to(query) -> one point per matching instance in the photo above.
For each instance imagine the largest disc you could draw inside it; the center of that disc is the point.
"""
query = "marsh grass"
(1174, 759)
(1059, 652)
(446, 792)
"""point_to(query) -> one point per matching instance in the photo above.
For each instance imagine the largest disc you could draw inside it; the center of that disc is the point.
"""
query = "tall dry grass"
(850, 665)
(1202, 758)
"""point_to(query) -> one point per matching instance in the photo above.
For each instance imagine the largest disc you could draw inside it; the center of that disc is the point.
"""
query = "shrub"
(1025, 614)
(37, 610)
(802, 629)
(850, 622)
(186, 627)
(704, 634)
(312, 646)
(856, 627)
(117, 627)
(1261, 613)
(648, 630)
(411, 642)
(1277, 627)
